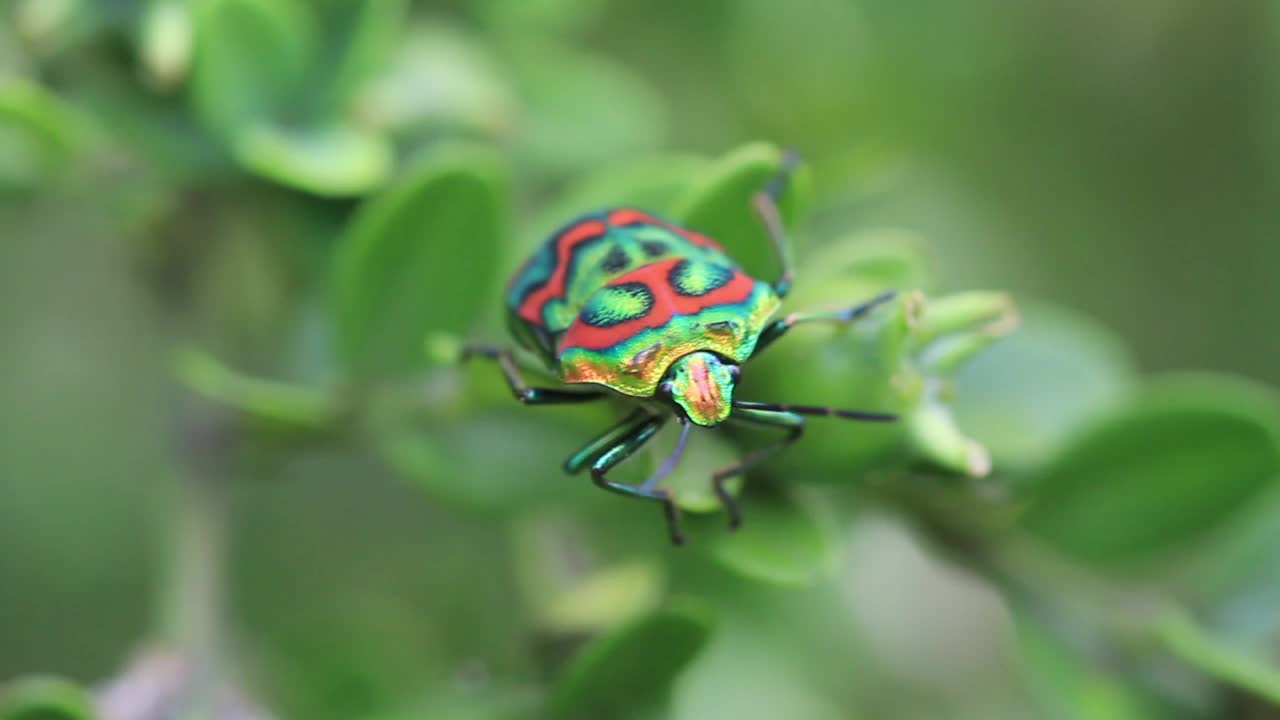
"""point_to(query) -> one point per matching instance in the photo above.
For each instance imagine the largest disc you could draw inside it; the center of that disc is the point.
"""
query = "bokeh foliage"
(243, 240)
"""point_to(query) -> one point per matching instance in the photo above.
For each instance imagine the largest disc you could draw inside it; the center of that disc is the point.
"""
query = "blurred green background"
(238, 236)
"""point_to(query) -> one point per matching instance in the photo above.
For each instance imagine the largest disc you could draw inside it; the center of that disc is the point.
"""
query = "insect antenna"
(816, 410)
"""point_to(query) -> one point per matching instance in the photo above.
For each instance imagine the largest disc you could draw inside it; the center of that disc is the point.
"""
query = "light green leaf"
(278, 404)
(251, 58)
(1027, 394)
(1249, 672)
(583, 110)
(44, 698)
(38, 133)
(631, 670)
(653, 184)
(335, 161)
(781, 541)
(488, 461)
(1172, 466)
(370, 34)
(719, 204)
(419, 258)
(1067, 686)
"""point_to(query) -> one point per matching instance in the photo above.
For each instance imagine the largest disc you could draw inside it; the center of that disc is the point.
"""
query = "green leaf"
(488, 461)
(690, 482)
(1067, 686)
(1026, 395)
(583, 110)
(1168, 469)
(278, 404)
(251, 58)
(371, 36)
(719, 204)
(781, 541)
(44, 698)
(653, 183)
(631, 670)
(334, 161)
(419, 258)
(1252, 673)
(862, 265)
(438, 78)
(38, 133)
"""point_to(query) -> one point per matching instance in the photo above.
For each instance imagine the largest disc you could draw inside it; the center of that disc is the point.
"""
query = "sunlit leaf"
(336, 160)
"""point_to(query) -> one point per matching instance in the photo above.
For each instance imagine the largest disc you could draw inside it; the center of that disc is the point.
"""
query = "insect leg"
(765, 203)
(792, 423)
(623, 449)
(778, 328)
(592, 450)
(519, 388)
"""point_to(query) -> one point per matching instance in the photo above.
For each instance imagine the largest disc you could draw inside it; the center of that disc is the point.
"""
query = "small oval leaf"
(633, 667)
(719, 204)
(419, 258)
(1171, 467)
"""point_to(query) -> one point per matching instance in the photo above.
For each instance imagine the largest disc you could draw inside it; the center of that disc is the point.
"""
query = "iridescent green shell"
(616, 296)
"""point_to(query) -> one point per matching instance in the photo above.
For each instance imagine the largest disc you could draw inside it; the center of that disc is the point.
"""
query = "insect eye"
(735, 372)
(667, 388)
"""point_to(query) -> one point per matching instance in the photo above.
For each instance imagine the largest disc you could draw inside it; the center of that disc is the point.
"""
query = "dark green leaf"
(631, 669)
(419, 258)
(719, 204)
(1174, 465)
(781, 541)
(44, 698)
(251, 56)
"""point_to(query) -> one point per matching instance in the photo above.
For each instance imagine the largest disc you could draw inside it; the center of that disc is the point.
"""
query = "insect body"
(622, 302)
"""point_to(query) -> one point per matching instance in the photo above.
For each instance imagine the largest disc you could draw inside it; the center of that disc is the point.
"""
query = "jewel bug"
(623, 303)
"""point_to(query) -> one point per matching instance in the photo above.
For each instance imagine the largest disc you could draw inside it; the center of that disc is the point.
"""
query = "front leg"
(623, 449)
(778, 328)
(519, 388)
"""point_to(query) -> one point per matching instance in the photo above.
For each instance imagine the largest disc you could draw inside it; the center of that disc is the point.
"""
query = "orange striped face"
(703, 385)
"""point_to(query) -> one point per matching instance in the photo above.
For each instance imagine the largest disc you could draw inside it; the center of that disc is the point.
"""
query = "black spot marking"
(691, 278)
(616, 261)
(654, 248)
(617, 304)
